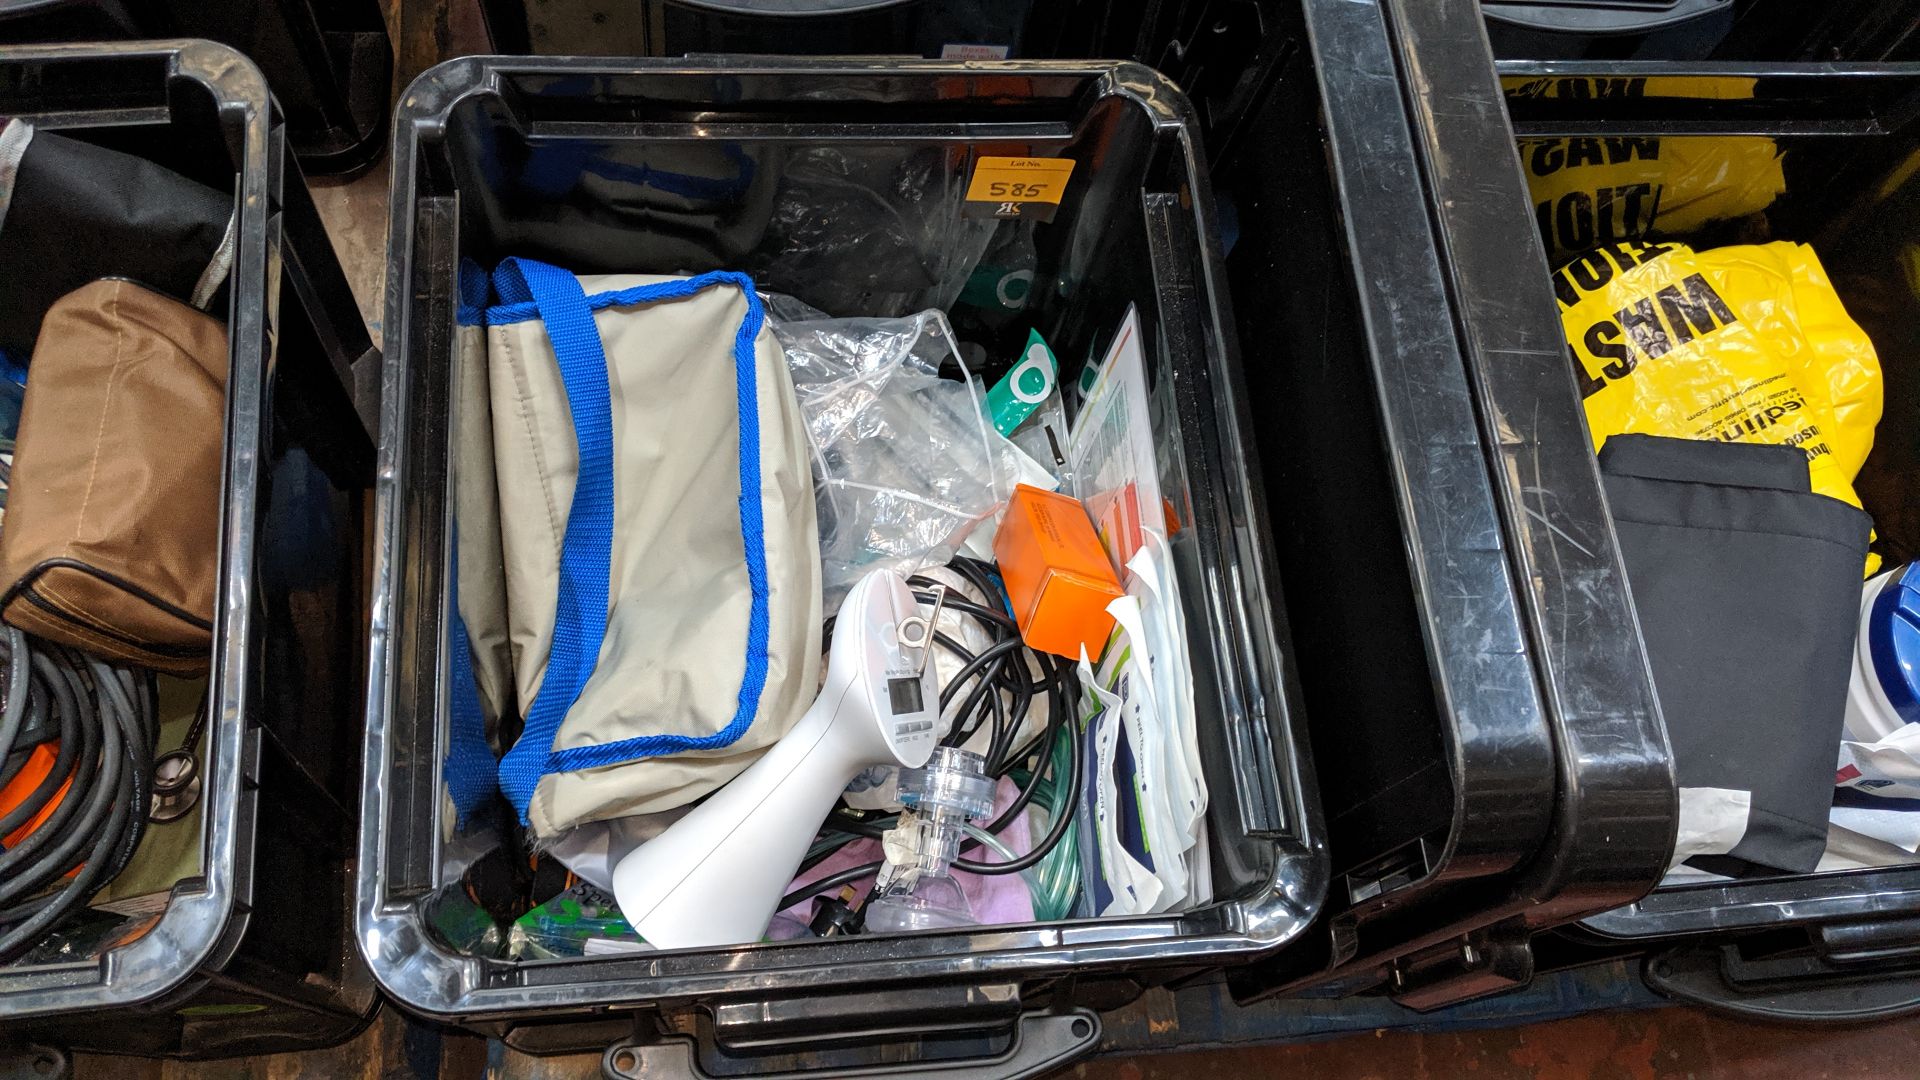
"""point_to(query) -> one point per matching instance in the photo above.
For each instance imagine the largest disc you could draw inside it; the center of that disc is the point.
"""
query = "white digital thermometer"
(716, 876)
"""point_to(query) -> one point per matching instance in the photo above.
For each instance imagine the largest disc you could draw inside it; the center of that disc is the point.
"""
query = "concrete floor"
(1662, 1044)
(1655, 1044)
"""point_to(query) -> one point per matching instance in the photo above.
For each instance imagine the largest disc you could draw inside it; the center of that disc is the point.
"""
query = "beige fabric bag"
(476, 494)
(669, 696)
(481, 690)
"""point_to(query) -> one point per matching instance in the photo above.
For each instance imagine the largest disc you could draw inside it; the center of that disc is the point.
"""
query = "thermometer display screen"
(905, 696)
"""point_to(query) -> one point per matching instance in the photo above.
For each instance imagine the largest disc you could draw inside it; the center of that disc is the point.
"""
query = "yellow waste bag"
(1591, 191)
(1742, 344)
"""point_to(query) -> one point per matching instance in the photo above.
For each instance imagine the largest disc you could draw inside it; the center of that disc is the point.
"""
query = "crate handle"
(1042, 1042)
(1796, 988)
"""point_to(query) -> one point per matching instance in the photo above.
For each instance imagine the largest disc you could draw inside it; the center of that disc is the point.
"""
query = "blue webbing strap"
(469, 767)
(586, 550)
(471, 307)
(472, 775)
(530, 289)
(753, 677)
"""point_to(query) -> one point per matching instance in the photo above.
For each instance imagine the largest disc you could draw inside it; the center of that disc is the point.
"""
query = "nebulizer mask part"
(916, 889)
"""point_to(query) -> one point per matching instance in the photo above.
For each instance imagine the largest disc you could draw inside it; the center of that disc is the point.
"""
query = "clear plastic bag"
(904, 460)
(864, 230)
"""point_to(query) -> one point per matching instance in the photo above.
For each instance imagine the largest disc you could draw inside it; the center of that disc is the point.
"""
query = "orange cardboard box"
(1058, 576)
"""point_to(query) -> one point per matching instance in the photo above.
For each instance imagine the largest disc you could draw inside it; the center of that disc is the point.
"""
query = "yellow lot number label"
(1009, 182)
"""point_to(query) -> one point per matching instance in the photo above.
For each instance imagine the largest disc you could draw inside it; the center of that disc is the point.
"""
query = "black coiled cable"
(999, 694)
(107, 722)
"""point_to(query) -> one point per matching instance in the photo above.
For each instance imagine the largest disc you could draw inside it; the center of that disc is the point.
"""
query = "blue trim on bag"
(586, 549)
(471, 773)
(471, 308)
(517, 307)
(528, 290)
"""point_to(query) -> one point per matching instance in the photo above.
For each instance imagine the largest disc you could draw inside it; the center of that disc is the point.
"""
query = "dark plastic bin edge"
(1618, 811)
(1609, 791)
(1450, 505)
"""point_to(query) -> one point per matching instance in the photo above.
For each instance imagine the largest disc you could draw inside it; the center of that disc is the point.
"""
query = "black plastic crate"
(330, 62)
(1752, 31)
(1836, 946)
(1476, 788)
(256, 954)
(1136, 226)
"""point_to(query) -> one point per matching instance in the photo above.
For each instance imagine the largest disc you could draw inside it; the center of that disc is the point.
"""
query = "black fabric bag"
(1748, 591)
(72, 212)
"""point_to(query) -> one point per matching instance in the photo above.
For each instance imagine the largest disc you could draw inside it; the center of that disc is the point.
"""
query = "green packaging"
(1014, 397)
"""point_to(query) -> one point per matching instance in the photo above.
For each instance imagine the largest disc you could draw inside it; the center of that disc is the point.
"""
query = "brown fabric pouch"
(112, 523)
